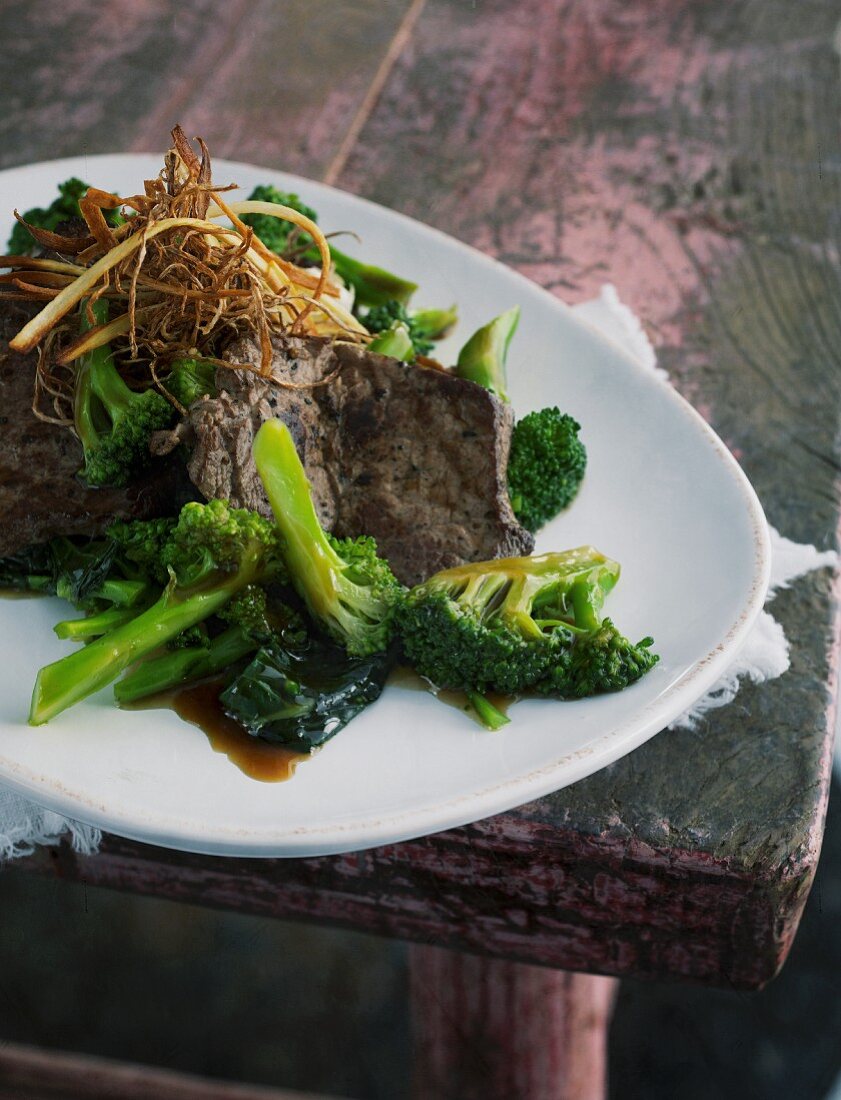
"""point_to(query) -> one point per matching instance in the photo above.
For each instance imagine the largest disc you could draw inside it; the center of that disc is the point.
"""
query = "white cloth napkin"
(765, 655)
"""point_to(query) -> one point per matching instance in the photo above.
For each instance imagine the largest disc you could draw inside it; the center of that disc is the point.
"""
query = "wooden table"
(685, 151)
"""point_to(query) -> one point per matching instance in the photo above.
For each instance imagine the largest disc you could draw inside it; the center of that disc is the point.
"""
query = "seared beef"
(40, 494)
(411, 455)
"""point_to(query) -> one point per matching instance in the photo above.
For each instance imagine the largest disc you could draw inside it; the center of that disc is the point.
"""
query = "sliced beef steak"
(411, 455)
(40, 494)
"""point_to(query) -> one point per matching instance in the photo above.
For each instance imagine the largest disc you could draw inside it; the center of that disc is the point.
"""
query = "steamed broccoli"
(482, 359)
(599, 662)
(373, 285)
(503, 625)
(423, 325)
(545, 467)
(521, 623)
(212, 553)
(349, 591)
(191, 379)
(62, 209)
(112, 421)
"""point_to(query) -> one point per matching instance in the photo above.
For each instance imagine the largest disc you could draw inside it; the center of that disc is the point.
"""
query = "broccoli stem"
(433, 323)
(313, 564)
(183, 665)
(396, 342)
(490, 717)
(71, 679)
(83, 415)
(79, 630)
(374, 286)
(482, 359)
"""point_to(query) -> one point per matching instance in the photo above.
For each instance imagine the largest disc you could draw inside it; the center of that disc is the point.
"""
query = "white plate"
(662, 495)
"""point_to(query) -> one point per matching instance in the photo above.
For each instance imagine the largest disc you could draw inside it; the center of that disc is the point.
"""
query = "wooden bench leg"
(491, 1030)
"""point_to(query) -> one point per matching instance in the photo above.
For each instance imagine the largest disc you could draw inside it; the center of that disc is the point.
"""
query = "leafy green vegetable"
(301, 698)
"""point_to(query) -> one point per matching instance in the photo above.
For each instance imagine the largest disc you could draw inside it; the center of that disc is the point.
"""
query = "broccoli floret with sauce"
(546, 466)
(518, 624)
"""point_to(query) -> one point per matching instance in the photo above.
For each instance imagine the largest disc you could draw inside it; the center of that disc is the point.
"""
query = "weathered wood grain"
(44, 1075)
(487, 1028)
(688, 153)
(275, 84)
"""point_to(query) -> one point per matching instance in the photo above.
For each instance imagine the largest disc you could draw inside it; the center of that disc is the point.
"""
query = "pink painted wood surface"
(485, 1029)
(675, 149)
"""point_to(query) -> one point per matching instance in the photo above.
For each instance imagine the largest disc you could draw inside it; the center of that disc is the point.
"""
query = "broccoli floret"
(503, 625)
(372, 285)
(112, 421)
(482, 359)
(545, 467)
(249, 610)
(63, 208)
(191, 379)
(349, 591)
(141, 543)
(599, 662)
(423, 325)
(212, 553)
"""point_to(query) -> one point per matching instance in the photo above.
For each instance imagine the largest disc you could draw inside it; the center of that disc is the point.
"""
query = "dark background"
(251, 999)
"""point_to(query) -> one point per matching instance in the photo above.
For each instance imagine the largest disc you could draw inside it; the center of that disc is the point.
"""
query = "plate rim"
(181, 834)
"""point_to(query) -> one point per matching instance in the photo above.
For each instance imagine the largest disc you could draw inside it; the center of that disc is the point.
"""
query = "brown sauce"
(199, 705)
(405, 677)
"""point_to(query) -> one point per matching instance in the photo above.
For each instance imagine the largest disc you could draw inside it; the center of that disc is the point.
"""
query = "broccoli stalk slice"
(373, 286)
(482, 359)
(113, 422)
(80, 630)
(347, 589)
(71, 679)
(396, 342)
(432, 323)
(490, 716)
(181, 666)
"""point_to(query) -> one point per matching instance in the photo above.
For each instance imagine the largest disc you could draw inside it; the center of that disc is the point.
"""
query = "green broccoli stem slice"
(80, 630)
(314, 566)
(482, 359)
(373, 285)
(396, 342)
(490, 716)
(83, 410)
(182, 666)
(71, 679)
(433, 323)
